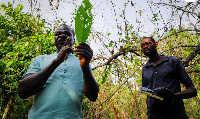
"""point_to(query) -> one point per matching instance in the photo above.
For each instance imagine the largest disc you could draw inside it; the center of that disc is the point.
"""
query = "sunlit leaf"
(83, 21)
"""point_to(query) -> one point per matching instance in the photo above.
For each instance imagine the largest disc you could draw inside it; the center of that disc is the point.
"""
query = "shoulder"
(40, 58)
(170, 59)
(48, 55)
(173, 61)
(173, 58)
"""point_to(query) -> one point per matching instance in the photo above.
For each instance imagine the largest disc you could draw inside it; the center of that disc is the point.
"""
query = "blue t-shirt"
(169, 73)
(61, 96)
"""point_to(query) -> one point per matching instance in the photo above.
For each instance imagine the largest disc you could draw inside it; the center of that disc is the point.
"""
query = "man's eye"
(56, 34)
(68, 34)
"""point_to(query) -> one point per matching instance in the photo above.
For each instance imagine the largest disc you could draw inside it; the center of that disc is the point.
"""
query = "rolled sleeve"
(34, 66)
(182, 74)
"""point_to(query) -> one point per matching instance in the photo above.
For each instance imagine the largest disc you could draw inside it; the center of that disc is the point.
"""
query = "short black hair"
(150, 39)
(68, 27)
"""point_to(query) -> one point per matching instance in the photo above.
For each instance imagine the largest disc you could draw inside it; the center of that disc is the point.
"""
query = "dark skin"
(64, 39)
(149, 49)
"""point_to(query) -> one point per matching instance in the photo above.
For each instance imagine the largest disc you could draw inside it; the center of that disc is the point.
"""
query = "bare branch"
(179, 8)
(122, 51)
(191, 71)
(97, 58)
(178, 32)
(191, 56)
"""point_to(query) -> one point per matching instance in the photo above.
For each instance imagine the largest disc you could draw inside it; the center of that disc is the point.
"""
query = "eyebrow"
(146, 42)
(63, 31)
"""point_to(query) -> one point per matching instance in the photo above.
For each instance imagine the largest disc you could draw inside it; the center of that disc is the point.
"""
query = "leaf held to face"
(83, 21)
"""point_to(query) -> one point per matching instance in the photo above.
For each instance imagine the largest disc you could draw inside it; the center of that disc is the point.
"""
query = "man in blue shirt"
(57, 81)
(168, 72)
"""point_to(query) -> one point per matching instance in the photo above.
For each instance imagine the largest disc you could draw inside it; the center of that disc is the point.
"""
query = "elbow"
(22, 97)
(21, 93)
(194, 93)
(92, 96)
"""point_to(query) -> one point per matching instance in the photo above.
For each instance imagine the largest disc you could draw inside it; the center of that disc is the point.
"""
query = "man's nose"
(62, 34)
(145, 46)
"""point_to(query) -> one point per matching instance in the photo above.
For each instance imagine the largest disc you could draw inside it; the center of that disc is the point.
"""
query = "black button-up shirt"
(169, 73)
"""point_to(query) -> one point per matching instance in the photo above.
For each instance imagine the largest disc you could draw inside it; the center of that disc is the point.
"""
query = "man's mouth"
(146, 51)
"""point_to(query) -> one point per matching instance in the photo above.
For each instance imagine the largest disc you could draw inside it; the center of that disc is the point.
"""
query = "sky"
(106, 15)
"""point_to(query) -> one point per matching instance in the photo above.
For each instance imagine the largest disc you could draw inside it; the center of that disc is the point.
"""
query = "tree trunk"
(6, 111)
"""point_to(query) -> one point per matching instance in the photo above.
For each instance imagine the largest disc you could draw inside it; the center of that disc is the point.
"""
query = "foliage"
(21, 39)
(83, 21)
(117, 67)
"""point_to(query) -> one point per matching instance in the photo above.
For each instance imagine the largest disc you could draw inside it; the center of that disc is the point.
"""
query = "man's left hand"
(84, 50)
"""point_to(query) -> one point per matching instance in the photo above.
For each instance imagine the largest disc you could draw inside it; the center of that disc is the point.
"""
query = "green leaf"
(111, 44)
(83, 21)
(108, 34)
(127, 37)
(9, 63)
(104, 77)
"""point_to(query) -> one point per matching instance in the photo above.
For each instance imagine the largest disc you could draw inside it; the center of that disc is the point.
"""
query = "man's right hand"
(65, 51)
(166, 94)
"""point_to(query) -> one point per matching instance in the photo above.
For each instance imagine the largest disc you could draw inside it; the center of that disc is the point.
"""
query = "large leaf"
(83, 21)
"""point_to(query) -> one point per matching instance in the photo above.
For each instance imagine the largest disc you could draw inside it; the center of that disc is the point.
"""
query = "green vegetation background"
(24, 36)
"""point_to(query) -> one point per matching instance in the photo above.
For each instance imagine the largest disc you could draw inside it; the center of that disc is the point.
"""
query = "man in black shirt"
(163, 71)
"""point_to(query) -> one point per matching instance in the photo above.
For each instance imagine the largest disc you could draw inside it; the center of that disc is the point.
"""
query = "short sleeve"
(34, 67)
(182, 74)
(143, 82)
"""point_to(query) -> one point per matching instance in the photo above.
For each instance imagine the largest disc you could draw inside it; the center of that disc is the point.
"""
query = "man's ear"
(156, 44)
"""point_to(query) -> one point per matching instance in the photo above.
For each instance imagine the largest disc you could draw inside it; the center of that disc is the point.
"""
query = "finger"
(81, 48)
(84, 44)
(67, 41)
(84, 50)
(70, 50)
(85, 54)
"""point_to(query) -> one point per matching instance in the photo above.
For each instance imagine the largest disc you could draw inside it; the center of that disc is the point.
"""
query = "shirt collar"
(56, 53)
(164, 58)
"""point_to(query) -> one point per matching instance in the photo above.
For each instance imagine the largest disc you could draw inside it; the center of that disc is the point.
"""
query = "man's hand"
(64, 51)
(166, 94)
(85, 54)
(90, 87)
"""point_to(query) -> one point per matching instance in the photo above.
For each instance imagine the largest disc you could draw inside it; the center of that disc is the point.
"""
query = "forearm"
(188, 93)
(91, 88)
(32, 84)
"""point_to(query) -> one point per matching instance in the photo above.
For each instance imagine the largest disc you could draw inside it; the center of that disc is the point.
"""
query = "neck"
(57, 51)
(154, 59)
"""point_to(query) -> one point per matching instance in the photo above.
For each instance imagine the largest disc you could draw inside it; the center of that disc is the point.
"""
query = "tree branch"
(197, 71)
(122, 51)
(178, 32)
(191, 56)
(179, 8)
